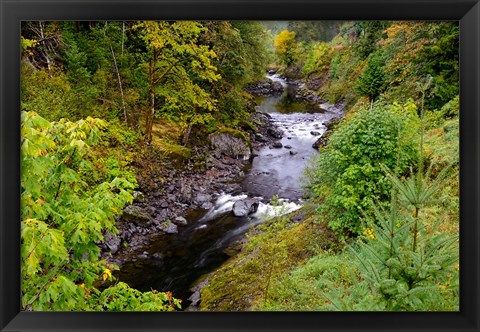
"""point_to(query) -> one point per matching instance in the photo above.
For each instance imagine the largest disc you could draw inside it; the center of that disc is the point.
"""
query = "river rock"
(207, 205)
(168, 227)
(275, 132)
(245, 207)
(112, 242)
(180, 221)
(185, 194)
(202, 198)
(164, 204)
(287, 146)
(315, 133)
(277, 145)
(293, 152)
(260, 138)
(265, 88)
(138, 196)
(194, 299)
(136, 214)
(229, 145)
(150, 210)
(321, 141)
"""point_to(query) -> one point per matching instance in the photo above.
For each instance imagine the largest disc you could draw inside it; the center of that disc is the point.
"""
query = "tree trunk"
(120, 85)
(151, 105)
(123, 35)
(186, 135)
(45, 55)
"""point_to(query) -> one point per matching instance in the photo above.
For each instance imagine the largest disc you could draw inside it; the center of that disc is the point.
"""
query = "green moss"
(174, 151)
(248, 125)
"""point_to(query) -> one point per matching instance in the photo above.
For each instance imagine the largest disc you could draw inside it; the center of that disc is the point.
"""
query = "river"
(175, 262)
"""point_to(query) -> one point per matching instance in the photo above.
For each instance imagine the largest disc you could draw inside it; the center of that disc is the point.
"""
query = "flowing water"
(176, 261)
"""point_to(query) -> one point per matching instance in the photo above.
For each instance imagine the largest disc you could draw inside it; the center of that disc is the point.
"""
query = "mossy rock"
(235, 133)
(231, 142)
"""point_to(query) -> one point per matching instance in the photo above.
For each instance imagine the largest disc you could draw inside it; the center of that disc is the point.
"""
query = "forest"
(240, 166)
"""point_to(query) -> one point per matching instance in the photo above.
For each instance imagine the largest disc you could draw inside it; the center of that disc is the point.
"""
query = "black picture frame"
(12, 12)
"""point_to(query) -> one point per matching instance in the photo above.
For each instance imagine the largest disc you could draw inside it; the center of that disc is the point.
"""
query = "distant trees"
(314, 31)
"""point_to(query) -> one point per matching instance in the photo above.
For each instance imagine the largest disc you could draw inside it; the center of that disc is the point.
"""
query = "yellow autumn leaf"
(107, 274)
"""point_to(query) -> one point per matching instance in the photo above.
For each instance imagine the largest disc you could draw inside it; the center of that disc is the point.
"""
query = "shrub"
(348, 173)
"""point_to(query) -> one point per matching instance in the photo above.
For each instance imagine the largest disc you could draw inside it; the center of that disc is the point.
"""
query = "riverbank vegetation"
(107, 105)
(385, 185)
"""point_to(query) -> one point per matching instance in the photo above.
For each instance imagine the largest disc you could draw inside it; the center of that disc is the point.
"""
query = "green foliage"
(407, 265)
(120, 297)
(64, 217)
(286, 47)
(177, 69)
(372, 82)
(47, 93)
(402, 261)
(318, 58)
(348, 174)
(303, 288)
(345, 69)
(368, 32)
(415, 50)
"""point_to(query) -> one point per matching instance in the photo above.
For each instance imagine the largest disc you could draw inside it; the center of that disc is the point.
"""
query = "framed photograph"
(239, 165)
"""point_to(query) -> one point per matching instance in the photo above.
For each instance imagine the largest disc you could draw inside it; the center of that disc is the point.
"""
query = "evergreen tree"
(372, 82)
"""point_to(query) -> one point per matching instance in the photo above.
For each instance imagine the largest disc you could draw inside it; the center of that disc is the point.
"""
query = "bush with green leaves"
(64, 218)
(348, 173)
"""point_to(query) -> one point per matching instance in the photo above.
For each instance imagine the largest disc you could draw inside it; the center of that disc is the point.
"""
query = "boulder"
(265, 88)
(277, 145)
(229, 145)
(180, 221)
(260, 138)
(274, 132)
(164, 204)
(138, 196)
(207, 205)
(136, 214)
(245, 207)
(276, 87)
(185, 193)
(202, 198)
(169, 227)
(194, 298)
(321, 141)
